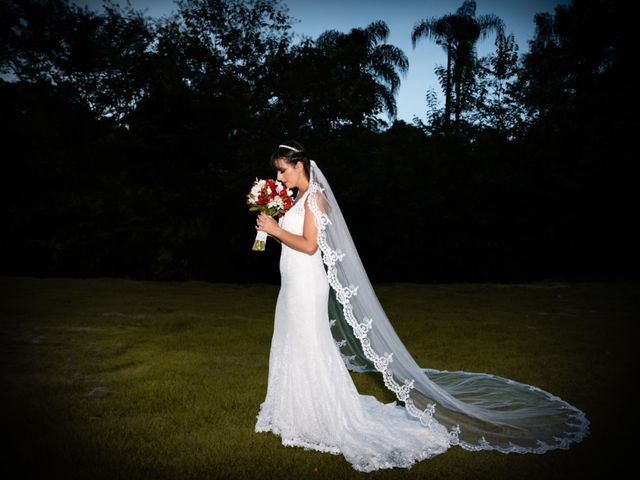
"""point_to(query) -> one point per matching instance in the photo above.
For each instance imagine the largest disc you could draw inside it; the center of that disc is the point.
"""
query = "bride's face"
(290, 175)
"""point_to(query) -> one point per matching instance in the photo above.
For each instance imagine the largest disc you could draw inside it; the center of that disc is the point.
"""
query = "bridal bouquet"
(271, 197)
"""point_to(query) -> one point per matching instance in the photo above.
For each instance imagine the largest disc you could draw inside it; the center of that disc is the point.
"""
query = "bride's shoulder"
(319, 199)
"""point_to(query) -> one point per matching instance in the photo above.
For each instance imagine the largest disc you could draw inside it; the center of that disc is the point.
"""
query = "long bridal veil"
(481, 411)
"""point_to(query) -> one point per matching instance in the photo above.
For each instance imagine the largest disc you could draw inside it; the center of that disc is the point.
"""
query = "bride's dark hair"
(291, 156)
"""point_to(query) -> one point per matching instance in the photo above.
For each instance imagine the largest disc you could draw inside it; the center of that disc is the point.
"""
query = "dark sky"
(315, 16)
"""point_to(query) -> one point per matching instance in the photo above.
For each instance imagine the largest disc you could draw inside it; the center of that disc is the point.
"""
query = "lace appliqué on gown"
(311, 400)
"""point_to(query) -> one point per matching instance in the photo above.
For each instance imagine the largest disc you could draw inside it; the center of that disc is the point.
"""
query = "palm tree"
(368, 53)
(458, 34)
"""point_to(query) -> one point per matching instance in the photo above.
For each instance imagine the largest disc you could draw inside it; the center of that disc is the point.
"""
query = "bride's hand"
(267, 224)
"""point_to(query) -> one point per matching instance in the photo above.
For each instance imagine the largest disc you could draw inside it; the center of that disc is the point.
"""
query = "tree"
(360, 53)
(579, 85)
(242, 33)
(458, 34)
(498, 96)
(95, 58)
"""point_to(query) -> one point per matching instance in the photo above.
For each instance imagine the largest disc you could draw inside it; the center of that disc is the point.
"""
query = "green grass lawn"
(113, 378)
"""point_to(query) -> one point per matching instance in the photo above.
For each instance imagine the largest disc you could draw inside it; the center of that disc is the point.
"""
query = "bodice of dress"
(293, 263)
(293, 219)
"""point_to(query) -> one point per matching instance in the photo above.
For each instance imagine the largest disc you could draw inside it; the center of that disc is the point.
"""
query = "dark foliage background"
(129, 144)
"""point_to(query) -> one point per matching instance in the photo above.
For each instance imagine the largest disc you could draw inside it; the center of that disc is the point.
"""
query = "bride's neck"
(303, 188)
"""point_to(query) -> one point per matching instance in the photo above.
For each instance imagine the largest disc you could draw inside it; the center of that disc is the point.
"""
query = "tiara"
(290, 148)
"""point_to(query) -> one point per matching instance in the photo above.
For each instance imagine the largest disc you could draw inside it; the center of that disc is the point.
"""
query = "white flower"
(255, 190)
(276, 202)
(279, 188)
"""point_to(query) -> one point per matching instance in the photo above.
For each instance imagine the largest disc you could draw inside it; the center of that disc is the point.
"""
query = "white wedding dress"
(328, 323)
(311, 400)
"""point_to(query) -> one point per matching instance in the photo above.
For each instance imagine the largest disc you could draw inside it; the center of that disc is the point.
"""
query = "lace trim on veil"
(381, 362)
(360, 329)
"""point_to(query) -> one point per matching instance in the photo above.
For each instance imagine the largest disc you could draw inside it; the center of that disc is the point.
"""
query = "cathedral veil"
(480, 411)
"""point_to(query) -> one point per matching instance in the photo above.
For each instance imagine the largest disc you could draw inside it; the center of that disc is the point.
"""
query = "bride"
(328, 321)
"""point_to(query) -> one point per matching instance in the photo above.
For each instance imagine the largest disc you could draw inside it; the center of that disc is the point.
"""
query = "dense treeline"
(131, 142)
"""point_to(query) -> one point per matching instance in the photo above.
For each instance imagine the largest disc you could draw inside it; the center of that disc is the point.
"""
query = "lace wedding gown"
(328, 323)
(311, 400)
